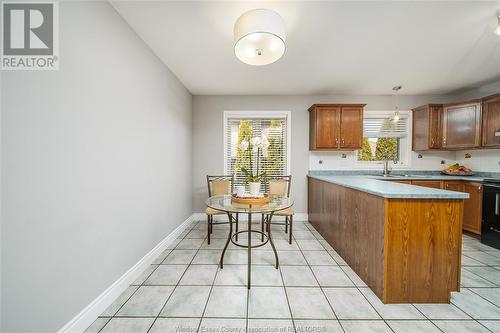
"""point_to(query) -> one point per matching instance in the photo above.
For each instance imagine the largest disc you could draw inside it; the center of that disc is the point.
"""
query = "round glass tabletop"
(224, 203)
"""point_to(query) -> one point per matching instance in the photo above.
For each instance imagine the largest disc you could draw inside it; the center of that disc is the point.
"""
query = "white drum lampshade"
(259, 37)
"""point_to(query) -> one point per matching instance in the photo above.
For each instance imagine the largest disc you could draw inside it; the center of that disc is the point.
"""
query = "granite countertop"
(378, 185)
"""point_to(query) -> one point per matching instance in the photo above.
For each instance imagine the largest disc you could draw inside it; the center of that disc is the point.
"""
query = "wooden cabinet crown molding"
(312, 107)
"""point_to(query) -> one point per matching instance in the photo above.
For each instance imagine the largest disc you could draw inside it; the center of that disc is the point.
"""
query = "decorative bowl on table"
(248, 199)
(457, 170)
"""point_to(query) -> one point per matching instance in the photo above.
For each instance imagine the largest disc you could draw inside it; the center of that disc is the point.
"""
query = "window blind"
(275, 161)
(385, 127)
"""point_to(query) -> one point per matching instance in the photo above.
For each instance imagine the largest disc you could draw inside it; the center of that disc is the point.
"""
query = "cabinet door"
(427, 127)
(327, 128)
(461, 126)
(420, 129)
(428, 183)
(351, 127)
(454, 186)
(435, 112)
(491, 122)
(473, 207)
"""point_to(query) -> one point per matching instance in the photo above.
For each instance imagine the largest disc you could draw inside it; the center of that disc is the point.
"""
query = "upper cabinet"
(491, 121)
(427, 127)
(335, 126)
(462, 125)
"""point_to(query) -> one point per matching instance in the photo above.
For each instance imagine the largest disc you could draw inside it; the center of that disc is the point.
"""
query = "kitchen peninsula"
(404, 241)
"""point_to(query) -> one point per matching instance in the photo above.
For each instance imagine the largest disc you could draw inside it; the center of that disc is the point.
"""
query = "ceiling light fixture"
(396, 116)
(497, 30)
(259, 37)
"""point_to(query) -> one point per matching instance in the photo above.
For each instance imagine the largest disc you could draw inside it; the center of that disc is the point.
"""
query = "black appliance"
(490, 227)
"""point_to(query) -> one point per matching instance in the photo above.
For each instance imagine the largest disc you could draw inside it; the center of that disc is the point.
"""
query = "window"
(245, 125)
(384, 138)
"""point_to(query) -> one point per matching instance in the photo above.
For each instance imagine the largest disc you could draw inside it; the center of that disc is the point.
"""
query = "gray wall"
(208, 150)
(96, 168)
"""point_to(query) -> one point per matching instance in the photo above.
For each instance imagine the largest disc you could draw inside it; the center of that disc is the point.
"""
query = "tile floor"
(313, 291)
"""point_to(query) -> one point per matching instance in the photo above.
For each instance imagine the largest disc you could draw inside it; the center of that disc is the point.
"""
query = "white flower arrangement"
(257, 145)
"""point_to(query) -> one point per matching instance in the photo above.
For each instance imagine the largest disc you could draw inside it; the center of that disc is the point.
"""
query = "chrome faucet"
(387, 169)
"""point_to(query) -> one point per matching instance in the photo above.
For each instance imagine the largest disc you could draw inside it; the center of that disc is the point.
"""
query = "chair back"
(220, 185)
(279, 185)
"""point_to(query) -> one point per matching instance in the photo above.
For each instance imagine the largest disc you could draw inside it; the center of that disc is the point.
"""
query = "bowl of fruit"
(457, 170)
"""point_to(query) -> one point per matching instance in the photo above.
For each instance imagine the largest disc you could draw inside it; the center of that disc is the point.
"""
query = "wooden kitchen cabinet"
(461, 125)
(427, 127)
(491, 121)
(428, 183)
(457, 186)
(473, 207)
(408, 182)
(336, 126)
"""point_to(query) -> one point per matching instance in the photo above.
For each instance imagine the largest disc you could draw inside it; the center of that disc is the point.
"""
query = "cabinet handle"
(497, 204)
(343, 141)
(479, 189)
(444, 141)
(432, 142)
(447, 185)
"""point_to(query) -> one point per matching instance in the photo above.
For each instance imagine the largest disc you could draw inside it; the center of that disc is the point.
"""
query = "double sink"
(405, 176)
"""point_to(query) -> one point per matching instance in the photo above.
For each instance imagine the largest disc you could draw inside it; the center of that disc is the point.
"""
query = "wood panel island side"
(404, 241)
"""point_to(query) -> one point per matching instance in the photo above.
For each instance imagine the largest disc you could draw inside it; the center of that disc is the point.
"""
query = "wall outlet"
(467, 155)
(419, 156)
(344, 155)
(320, 162)
(443, 162)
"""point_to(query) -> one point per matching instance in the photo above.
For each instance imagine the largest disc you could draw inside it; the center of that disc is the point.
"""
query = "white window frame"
(405, 143)
(256, 115)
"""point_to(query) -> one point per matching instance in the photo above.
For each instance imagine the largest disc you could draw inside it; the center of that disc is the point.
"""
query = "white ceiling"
(332, 47)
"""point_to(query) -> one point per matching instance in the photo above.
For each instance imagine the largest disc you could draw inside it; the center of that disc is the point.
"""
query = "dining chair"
(279, 186)
(219, 185)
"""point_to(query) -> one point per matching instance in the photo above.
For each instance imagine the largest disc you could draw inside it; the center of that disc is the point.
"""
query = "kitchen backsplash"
(480, 160)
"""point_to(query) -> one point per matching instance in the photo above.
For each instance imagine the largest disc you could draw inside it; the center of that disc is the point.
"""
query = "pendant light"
(497, 30)
(396, 116)
(259, 37)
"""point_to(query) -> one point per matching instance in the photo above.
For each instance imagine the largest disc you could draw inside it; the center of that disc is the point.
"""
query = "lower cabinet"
(456, 186)
(473, 207)
(428, 183)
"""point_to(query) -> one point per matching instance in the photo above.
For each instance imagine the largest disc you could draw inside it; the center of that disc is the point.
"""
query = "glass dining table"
(225, 204)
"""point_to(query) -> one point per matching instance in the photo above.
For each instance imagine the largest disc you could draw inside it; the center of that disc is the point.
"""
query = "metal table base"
(249, 245)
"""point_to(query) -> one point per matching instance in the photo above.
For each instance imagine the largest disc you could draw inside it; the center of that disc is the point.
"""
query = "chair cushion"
(211, 211)
(220, 187)
(284, 212)
(278, 187)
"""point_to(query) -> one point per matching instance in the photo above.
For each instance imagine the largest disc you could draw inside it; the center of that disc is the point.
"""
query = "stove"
(490, 226)
(492, 180)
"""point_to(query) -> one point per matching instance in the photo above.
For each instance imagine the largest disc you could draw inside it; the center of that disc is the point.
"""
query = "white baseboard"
(302, 217)
(90, 313)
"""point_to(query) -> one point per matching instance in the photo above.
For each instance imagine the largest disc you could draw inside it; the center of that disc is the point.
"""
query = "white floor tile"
(268, 302)
(413, 326)
(175, 325)
(365, 326)
(227, 302)
(309, 303)
(349, 303)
